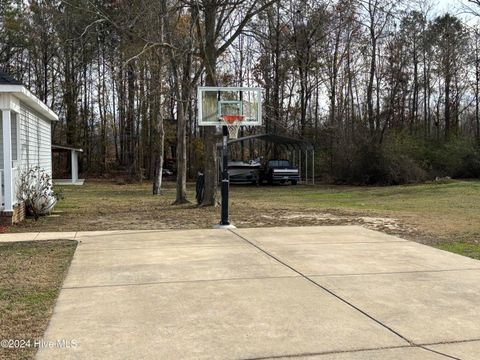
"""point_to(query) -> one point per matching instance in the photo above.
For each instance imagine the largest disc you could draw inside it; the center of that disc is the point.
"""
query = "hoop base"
(218, 226)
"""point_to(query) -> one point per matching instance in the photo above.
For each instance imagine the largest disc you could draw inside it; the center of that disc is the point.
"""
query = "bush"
(35, 189)
(401, 158)
(368, 163)
(457, 158)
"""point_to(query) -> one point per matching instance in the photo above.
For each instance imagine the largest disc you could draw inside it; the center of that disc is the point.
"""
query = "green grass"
(444, 214)
(431, 197)
(31, 274)
(466, 249)
(450, 208)
(433, 213)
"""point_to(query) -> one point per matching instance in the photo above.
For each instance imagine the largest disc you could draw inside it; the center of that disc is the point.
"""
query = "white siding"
(14, 135)
(35, 140)
(35, 144)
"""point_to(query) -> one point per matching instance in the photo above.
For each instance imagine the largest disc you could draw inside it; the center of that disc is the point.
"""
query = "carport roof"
(281, 140)
(65, 148)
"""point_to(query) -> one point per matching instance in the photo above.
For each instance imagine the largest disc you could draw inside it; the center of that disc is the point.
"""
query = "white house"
(25, 141)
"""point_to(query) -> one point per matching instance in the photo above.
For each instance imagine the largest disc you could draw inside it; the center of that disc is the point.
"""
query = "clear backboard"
(216, 104)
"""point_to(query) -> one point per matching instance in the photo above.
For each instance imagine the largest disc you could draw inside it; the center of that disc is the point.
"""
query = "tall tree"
(378, 14)
(450, 41)
(217, 20)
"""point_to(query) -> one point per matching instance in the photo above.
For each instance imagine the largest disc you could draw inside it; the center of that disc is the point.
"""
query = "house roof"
(9, 85)
(7, 79)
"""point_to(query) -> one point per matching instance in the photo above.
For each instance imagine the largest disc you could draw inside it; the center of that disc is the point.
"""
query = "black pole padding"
(200, 187)
(225, 178)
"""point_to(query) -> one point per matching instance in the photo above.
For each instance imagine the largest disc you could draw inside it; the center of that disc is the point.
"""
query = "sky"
(449, 5)
(456, 7)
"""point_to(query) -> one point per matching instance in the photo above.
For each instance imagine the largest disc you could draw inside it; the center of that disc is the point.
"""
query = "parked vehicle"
(167, 172)
(279, 171)
(244, 172)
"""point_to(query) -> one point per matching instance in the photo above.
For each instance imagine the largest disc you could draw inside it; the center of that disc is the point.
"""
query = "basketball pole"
(225, 178)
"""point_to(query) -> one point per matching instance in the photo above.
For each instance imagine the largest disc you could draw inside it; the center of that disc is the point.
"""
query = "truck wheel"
(294, 182)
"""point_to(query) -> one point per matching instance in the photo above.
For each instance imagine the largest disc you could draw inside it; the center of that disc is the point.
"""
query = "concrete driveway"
(339, 292)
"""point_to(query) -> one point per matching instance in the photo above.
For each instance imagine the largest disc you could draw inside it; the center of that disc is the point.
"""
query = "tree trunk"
(158, 109)
(130, 123)
(425, 97)
(181, 196)
(477, 88)
(182, 91)
(371, 121)
(210, 145)
(447, 107)
(158, 172)
(413, 120)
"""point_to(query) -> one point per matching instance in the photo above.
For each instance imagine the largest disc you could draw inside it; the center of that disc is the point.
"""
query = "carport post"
(74, 160)
(313, 166)
(300, 163)
(306, 166)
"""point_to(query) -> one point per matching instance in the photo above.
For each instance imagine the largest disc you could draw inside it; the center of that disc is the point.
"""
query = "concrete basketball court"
(339, 292)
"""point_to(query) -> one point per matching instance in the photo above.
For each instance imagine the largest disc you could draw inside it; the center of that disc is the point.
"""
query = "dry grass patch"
(434, 213)
(31, 274)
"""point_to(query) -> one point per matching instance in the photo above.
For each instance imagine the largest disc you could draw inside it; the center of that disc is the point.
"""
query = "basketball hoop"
(233, 123)
(230, 107)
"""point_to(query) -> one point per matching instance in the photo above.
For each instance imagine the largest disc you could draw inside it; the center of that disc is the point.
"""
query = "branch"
(148, 47)
(250, 14)
(90, 25)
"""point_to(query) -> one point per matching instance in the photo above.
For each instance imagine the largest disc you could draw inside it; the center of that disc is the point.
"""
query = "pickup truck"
(279, 171)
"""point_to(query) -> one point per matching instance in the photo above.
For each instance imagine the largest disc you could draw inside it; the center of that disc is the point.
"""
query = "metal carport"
(292, 144)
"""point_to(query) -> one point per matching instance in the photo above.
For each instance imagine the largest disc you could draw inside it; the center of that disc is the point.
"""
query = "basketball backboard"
(215, 102)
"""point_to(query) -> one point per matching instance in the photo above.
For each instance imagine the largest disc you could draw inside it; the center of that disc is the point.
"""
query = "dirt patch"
(312, 217)
(428, 213)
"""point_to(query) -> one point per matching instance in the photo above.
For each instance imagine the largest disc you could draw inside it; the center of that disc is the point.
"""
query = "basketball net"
(233, 123)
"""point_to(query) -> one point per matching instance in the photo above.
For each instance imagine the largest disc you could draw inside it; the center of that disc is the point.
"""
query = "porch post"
(74, 159)
(7, 160)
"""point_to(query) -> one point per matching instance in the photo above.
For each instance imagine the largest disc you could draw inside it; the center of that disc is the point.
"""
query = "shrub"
(373, 164)
(456, 158)
(35, 189)
(401, 158)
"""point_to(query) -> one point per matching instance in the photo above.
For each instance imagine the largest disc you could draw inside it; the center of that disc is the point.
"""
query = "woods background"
(388, 91)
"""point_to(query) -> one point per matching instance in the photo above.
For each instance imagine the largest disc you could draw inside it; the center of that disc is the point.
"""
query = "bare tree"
(378, 15)
(216, 20)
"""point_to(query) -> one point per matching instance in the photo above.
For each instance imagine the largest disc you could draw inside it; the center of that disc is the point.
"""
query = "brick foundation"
(12, 217)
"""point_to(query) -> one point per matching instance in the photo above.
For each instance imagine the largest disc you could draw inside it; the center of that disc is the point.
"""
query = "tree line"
(386, 90)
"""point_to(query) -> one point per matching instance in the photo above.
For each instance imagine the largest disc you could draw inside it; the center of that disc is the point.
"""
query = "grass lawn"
(467, 249)
(445, 215)
(436, 213)
(31, 274)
